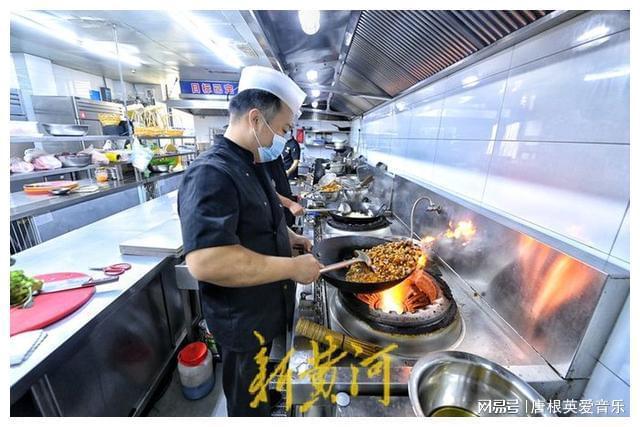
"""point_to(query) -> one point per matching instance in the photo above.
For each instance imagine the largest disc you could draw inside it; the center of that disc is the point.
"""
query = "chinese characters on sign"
(208, 87)
(321, 374)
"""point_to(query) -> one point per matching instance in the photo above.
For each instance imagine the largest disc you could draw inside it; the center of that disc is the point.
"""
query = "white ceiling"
(164, 48)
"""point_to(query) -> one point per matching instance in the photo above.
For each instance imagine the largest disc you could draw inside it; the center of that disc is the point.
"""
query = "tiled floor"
(174, 404)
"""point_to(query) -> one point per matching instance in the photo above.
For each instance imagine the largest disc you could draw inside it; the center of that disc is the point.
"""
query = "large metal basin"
(454, 383)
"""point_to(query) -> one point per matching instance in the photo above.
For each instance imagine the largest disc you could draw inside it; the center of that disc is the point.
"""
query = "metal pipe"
(124, 88)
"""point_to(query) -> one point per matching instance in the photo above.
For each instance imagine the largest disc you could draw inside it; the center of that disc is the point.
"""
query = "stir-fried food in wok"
(331, 187)
(391, 261)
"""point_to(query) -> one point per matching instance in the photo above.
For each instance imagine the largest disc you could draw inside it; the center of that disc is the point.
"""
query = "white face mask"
(268, 154)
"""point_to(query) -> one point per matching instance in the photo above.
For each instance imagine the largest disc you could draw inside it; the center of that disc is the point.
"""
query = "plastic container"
(195, 366)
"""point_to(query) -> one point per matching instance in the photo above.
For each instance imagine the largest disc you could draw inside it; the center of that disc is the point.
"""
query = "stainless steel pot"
(454, 383)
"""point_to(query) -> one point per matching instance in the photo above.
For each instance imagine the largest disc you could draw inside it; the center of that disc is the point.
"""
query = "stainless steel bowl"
(65, 129)
(455, 383)
(74, 160)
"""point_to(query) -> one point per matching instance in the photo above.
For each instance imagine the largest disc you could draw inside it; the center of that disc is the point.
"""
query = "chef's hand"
(300, 242)
(296, 209)
(306, 269)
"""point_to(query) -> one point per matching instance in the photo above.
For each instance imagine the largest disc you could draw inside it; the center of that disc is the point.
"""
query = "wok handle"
(339, 265)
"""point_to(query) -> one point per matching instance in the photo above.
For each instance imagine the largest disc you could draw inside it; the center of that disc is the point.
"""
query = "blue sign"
(208, 87)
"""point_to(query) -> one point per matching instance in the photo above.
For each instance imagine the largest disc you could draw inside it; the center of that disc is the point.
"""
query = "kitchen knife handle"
(102, 281)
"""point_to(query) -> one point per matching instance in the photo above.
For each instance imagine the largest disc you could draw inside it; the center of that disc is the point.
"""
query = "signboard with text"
(208, 87)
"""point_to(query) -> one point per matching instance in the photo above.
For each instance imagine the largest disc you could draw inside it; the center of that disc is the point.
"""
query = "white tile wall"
(579, 95)
(585, 28)
(621, 246)
(576, 190)
(557, 110)
(473, 112)
(425, 119)
(41, 76)
(605, 386)
(461, 166)
(616, 354)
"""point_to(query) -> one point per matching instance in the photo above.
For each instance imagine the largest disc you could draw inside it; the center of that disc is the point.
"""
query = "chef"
(291, 157)
(235, 239)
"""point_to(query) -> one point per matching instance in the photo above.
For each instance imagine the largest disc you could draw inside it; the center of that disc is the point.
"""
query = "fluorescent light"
(309, 21)
(607, 74)
(312, 75)
(314, 104)
(315, 93)
(201, 31)
(593, 33)
(47, 24)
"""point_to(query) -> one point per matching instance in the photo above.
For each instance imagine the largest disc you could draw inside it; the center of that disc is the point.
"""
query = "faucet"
(431, 208)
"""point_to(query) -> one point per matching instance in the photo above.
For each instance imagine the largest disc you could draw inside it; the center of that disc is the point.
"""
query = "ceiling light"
(309, 21)
(314, 104)
(201, 31)
(48, 25)
(315, 93)
(312, 75)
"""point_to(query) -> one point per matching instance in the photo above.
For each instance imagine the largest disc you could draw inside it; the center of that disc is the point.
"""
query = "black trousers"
(238, 371)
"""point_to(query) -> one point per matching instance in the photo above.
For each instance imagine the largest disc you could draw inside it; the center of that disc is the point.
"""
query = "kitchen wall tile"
(425, 119)
(473, 112)
(418, 162)
(605, 386)
(561, 187)
(487, 67)
(577, 95)
(461, 166)
(402, 123)
(616, 354)
(579, 30)
(621, 246)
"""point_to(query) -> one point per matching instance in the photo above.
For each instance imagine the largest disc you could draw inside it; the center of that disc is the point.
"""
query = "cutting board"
(49, 308)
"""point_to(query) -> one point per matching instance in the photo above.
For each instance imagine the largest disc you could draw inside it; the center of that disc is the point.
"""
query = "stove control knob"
(343, 399)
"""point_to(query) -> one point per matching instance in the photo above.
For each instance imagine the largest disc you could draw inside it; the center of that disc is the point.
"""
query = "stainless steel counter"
(94, 245)
(23, 205)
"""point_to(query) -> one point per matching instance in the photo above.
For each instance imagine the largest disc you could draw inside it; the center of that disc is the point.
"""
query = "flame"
(465, 230)
(555, 280)
(393, 298)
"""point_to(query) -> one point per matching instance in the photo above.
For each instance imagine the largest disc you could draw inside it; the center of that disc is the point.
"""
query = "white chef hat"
(275, 82)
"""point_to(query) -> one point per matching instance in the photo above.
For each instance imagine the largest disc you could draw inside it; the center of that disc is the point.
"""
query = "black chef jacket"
(281, 183)
(226, 199)
(290, 153)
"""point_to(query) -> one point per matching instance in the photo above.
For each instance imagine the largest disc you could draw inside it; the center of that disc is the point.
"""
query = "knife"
(82, 282)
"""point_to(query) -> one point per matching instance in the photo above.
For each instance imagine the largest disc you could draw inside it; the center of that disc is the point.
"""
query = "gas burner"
(434, 325)
(378, 224)
(417, 313)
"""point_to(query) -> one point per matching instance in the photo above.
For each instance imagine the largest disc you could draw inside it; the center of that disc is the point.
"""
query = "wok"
(336, 249)
(358, 207)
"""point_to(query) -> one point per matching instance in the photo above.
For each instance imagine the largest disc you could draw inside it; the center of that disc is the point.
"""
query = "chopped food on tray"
(391, 261)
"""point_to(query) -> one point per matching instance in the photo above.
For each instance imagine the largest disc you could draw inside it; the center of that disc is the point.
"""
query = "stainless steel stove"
(474, 328)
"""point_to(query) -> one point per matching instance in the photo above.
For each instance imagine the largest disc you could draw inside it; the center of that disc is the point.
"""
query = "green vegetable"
(21, 286)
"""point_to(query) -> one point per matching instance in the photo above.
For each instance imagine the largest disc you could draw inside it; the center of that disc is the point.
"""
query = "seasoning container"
(195, 366)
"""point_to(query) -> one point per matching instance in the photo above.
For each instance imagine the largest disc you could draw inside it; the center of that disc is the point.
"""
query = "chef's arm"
(293, 167)
(285, 201)
(236, 266)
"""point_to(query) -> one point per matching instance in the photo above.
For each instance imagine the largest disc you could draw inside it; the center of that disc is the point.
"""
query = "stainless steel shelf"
(40, 174)
(185, 153)
(86, 138)
(166, 137)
